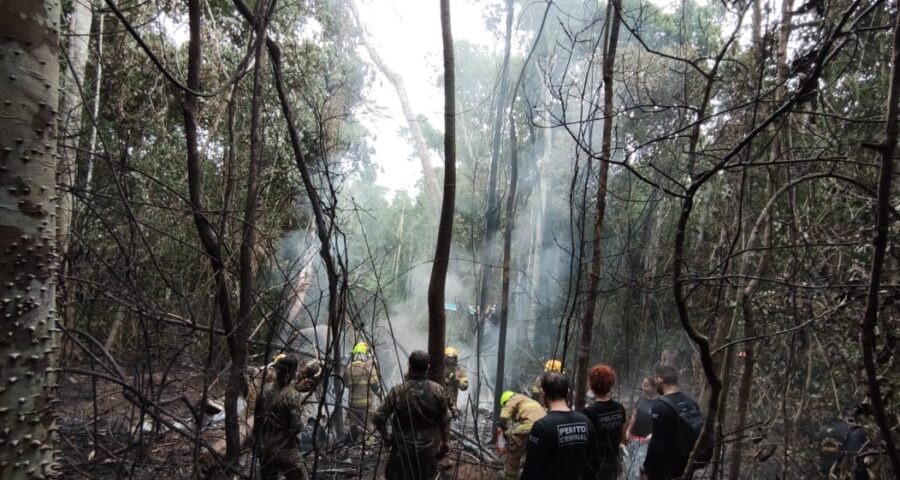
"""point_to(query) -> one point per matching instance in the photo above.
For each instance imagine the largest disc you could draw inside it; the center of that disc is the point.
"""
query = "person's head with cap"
(553, 365)
(451, 356)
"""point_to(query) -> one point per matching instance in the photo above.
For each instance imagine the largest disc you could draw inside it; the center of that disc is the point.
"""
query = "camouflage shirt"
(417, 410)
(277, 418)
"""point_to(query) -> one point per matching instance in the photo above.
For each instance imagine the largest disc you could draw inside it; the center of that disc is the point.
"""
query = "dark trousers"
(287, 462)
(404, 464)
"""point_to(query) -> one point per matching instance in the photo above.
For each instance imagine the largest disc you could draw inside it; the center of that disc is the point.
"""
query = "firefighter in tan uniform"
(551, 365)
(517, 414)
(363, 387)
(456, 378)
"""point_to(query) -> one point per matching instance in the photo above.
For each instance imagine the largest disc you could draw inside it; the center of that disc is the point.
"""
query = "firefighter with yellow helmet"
(363, 387)
(552, 365)
(455, 378)
(517, 415)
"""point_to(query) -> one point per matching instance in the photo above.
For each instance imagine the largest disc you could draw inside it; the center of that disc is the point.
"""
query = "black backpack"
(689, 423)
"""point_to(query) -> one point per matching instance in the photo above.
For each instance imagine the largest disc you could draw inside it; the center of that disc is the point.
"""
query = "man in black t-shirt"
(640, 426)
(563, 444)
(664, 458)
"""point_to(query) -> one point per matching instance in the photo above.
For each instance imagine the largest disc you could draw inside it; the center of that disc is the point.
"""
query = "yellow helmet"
(553, 365)
(278, 358)
(505, 397)
(450, 352)
(361, 348)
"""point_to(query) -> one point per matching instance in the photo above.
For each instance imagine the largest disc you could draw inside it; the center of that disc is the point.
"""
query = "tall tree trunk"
(29, 60)
(743, 313)
(211, 242)
(746, 307)
(399, 240)
(507, 252)
(337, 283)
(886, 148)
(587, 320)
(70, 104)
(432, 187)
(544, 328)
(491, 215)
(437, 316)
(98, 81)
(236, 379)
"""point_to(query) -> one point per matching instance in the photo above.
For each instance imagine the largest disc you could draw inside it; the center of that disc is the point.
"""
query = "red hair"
(602, 378)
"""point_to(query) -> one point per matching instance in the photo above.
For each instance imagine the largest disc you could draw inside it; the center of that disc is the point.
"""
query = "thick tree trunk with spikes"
(29, 60)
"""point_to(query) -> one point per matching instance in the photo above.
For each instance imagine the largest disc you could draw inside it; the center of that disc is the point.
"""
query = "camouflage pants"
(408, 464)
(515, 453)
(287, 462)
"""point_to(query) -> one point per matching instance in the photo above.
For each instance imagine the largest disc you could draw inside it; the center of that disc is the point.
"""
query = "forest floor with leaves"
(129, 446)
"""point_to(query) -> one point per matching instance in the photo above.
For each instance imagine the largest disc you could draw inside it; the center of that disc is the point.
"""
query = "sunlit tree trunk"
(70, 105)
(29, 60)
(437, 316)
(98, 81)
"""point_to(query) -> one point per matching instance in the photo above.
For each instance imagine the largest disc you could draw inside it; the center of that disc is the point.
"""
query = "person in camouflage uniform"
(456, 379)
(517, 414)
(419, 417)
(363, 387)
(276, 423)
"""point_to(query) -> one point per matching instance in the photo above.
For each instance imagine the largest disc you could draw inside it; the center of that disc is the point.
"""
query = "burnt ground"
(125, 450)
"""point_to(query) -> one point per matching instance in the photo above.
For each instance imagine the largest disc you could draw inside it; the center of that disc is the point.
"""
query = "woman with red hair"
(608, 417)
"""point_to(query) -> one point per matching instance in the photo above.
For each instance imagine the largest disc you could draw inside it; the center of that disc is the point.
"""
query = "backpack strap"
(670, 404)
